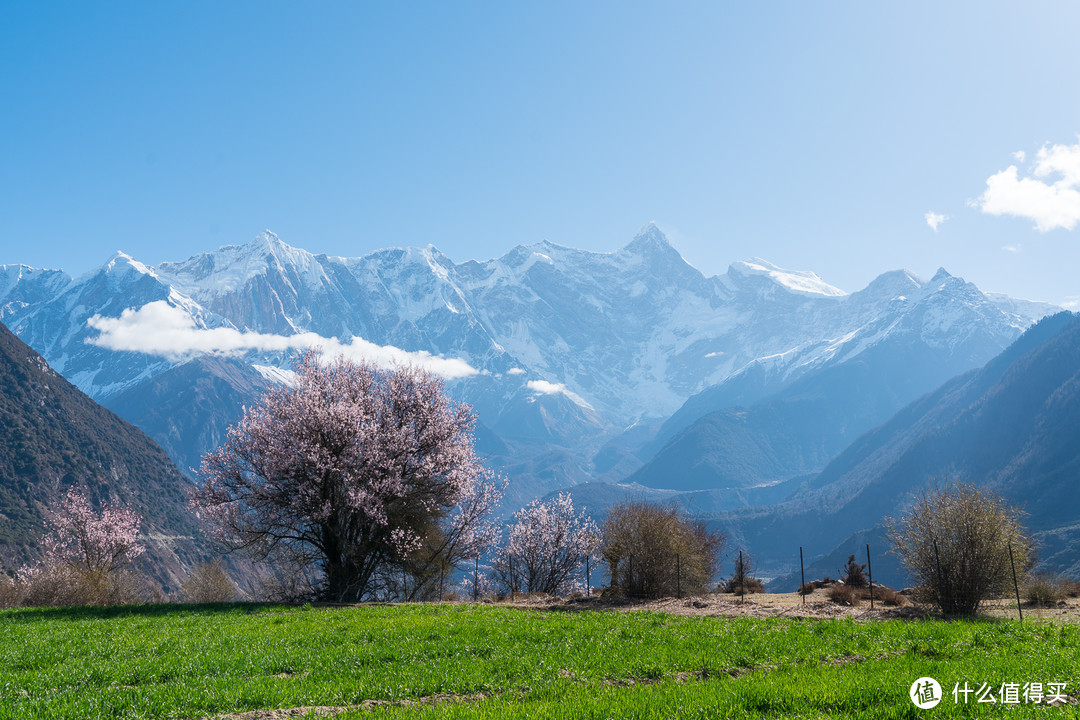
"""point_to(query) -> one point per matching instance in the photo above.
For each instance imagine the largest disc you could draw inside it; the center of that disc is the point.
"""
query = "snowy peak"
(892, 285)
(799, 282)
(231, 267)
(23, 284)
(650, 239)
(121, 263)
(633, 333)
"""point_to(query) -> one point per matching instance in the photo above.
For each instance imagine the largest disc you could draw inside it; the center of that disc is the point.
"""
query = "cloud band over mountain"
(159, 328)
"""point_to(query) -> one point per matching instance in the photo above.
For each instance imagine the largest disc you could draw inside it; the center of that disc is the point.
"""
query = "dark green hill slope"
(53, 436)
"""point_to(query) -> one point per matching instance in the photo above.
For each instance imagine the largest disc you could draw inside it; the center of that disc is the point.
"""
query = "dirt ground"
(817, 605)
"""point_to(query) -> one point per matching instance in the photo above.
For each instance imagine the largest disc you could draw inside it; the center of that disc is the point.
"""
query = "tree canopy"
(353, 470)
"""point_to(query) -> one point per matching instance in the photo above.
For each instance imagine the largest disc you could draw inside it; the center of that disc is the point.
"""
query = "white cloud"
(1020, 155)
(159, 328)
(1050, 196)
(515, 371)
(1012, 248)
(549, 388)
(546, 388)
(934, 219)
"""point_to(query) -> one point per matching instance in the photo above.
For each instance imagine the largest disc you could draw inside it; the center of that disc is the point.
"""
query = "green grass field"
(463, 661)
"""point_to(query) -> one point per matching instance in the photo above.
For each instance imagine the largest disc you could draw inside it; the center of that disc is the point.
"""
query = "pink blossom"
(89, 540)
(546, 545)
(352, 467)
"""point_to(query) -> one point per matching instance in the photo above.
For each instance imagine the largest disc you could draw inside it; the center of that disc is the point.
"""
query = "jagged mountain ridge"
(572, 345)
(635, 332)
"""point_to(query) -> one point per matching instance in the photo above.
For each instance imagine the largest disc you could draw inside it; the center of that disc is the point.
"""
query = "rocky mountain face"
(568, 347)
(53, 436)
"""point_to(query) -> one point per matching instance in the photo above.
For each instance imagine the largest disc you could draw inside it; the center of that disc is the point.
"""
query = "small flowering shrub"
(546, 548)
(86, 556)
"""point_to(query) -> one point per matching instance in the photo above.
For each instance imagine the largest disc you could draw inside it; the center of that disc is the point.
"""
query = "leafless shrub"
(208, 583)
(1072, 587)
(957, 541)
(842, 595)
(62, 584)
(1044, 590)
(887, 596)
(10, 592)
(655, 551)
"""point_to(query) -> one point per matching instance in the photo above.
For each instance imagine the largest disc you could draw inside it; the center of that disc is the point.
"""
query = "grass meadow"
(490, 661)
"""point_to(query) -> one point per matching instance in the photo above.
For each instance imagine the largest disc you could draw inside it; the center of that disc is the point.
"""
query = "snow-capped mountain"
(549, 333)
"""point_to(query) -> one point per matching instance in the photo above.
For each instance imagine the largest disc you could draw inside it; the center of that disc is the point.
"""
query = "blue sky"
(815, 135)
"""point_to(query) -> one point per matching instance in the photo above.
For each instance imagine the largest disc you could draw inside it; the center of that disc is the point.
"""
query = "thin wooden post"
(937, 558)
(588, 579)
(742, 579)
(870, 570)
(802, 574)
(476, 580)
(630, 577)
(511, 578)
(442, 579)
(1015, 585)
(678, 577)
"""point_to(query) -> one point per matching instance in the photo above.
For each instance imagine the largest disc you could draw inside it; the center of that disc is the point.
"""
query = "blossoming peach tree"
(546, 546)
(88, 540)
(361, 472)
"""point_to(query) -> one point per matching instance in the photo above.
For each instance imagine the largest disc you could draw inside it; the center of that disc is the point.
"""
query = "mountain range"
(1011, 427)
(622, 372)
(568, 347)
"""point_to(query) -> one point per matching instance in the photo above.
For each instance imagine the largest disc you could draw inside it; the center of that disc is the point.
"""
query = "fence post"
(1015, 586)
(802, 574)
(678, 577)
(511, 578)
(588, 579)
(442, 578)
(630, 577)
(476, 580)
(870, 569)
(937, 558)
(742, 579)
(404, 585)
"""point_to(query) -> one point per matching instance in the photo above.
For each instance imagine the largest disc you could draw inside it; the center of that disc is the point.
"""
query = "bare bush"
(1044, 590)
(957, 542)
(655, 551)
(10, 592)
(888, 596)
(843, 595)
(806, 588)
(64, 584)
(208, 583)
